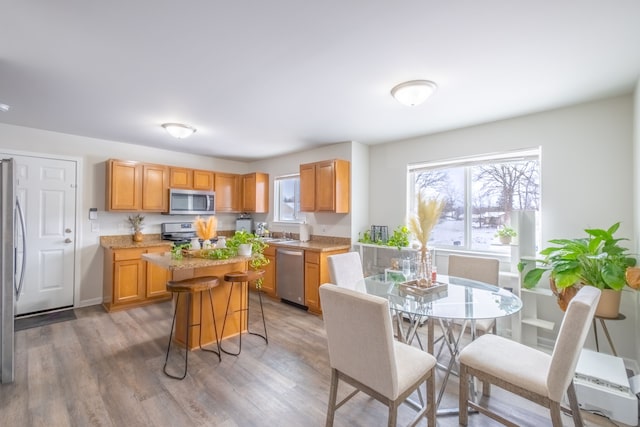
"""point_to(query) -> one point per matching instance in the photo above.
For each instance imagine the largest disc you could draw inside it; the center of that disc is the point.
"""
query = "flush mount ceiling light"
(4, 107)
(413, 92)
(178, 130)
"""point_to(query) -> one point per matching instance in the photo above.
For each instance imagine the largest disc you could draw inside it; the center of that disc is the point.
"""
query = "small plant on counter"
(136, 222)
(258, 260)
(505, 234)
(399, 238)
(176, 250)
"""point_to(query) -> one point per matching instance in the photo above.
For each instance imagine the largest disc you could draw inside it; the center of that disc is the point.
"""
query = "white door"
(46, 189)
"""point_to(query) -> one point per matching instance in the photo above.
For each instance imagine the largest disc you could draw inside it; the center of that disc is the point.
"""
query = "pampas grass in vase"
(420, 225)
(206, 230)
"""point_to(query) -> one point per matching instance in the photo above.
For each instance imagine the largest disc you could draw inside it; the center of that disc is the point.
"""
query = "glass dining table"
(455, 302)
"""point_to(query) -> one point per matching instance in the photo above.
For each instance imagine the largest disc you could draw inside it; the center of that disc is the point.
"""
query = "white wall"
(360, 190)
(586, 173)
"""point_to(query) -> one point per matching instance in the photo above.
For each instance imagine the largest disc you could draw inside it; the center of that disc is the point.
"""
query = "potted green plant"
(136, 222)
(505, 234)
(256, 250)
(595, 260)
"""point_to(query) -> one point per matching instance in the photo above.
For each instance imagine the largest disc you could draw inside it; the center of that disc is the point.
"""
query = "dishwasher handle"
(287, 252)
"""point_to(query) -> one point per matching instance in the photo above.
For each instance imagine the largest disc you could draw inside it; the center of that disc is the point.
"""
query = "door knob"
(67, 240)
(67, 230)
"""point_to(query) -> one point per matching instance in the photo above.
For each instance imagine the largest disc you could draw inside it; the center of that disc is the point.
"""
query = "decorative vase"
(137, 236)
(195, 243)
(207, 244)
(423, 273)
(222, 242)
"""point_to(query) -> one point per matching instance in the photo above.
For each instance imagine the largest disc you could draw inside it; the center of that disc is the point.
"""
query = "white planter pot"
(244, 249)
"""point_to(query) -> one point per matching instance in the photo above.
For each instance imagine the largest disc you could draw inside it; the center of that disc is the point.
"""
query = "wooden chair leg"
(431, 399)
(463, 417)
(486, 388)
(333, 395)
(573, 404)
(556, 414)
(393, 414)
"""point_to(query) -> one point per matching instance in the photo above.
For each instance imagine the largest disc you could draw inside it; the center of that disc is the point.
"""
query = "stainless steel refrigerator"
(12, 236)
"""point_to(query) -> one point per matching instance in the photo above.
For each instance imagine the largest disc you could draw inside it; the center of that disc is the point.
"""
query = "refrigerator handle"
(24, 249)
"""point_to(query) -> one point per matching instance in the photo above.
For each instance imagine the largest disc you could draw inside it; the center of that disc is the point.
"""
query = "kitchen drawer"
(127, 254)
(312, 257)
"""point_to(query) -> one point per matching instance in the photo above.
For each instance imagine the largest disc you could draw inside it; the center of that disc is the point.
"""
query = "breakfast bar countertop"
(186, 263)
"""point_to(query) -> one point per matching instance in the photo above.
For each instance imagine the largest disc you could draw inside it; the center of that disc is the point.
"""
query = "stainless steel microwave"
(191, 202)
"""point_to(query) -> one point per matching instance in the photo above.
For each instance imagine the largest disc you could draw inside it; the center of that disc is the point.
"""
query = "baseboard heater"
(603, 387)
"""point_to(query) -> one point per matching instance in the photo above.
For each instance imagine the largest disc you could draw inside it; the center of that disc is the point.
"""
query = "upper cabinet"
(255, 192)
(228, 187)
(324, 186)
(135, 186)
(191, 179)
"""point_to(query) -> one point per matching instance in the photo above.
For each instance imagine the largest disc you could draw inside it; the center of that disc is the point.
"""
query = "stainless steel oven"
(191, 202)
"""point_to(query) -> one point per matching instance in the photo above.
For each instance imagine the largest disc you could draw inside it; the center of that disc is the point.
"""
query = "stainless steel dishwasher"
(290, 275)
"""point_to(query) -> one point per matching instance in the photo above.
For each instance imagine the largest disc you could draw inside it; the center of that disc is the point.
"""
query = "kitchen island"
(186, 268)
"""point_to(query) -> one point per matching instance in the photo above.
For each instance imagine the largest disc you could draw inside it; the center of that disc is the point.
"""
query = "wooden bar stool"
(243, 278)
(190, 287)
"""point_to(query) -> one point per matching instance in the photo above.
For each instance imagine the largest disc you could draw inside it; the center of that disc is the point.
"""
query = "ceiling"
(264, 78)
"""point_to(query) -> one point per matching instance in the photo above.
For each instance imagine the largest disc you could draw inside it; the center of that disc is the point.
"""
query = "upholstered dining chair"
(345, 270)
(363, 353)
(485, 270)
(528, 372)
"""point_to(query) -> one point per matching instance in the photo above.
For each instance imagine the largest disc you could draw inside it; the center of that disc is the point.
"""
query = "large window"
(287, 198)
(480, 194)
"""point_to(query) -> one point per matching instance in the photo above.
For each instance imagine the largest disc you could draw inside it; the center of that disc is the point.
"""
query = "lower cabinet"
(129, 281)
(316, 273)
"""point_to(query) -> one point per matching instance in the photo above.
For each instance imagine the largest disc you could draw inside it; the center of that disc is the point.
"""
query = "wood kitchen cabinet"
(324, 186)
(134, 186)
(316, 272)
(130, 282)
(191, 179)
(227, 188)
(255, 192)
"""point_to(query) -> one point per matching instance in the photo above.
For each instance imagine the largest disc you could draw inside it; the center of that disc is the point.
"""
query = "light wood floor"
(106, 370)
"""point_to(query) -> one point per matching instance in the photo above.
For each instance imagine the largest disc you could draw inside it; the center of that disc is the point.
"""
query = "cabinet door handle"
(67, 240)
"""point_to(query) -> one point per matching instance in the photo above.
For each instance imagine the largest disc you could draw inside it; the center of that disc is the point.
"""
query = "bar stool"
(190, 287)
(243, 278)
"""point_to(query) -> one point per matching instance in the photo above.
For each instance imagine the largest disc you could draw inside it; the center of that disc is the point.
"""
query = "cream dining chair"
(485, 270)
(345, 270)
(364, 354)
(528, 372)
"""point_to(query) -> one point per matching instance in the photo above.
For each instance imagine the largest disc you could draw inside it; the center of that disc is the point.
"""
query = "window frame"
(277, 194)
(467, 163)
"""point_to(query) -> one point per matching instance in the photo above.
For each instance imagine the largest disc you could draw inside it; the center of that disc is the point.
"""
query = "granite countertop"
(166, 261)
(312, 245)
(126, 241)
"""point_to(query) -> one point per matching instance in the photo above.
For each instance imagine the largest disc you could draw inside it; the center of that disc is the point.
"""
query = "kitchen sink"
(279, 240)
